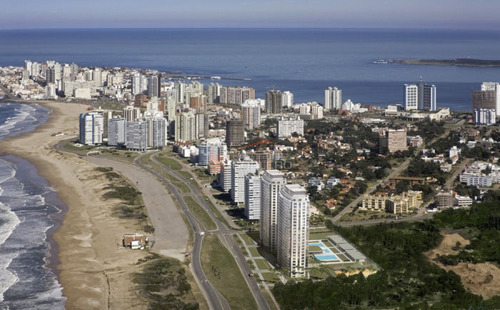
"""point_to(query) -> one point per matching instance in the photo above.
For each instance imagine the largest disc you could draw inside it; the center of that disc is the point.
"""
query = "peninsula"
(468, 62)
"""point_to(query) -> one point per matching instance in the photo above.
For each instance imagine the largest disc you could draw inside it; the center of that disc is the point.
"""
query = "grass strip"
(223, 272)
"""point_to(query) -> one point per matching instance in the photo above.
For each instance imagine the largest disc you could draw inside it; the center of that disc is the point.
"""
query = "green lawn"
(343, 257)
(223, 272)
(178, 183)
(186, 175)
(215, 210)
(315, 248)
(270, 277)
(169, 162)
(254, 252)
(262, 264)
(248, 240)
(319, 236)
(200, 213)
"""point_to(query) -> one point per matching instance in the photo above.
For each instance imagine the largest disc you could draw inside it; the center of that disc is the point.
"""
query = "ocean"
(303, 61)
(29, 214)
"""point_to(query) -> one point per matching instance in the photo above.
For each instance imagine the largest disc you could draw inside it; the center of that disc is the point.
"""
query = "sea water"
(303, 61)
(29, 213)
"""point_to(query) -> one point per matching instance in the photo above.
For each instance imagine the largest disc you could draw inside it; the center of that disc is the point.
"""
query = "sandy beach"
(95, 271)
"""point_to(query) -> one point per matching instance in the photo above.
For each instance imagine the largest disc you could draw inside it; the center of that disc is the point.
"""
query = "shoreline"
(90, 264)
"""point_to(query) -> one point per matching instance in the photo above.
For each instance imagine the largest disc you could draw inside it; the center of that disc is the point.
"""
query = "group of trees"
(408, 279)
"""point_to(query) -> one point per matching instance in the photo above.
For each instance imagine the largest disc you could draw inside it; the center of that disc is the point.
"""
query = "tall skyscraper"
(153, 86)
(495, 88)
(239, 169)
(235, 133)
(250, 111)
(185, 127)
(411, 97)
(131, 113)
(252, 196)
(136, 133)
(91, 128)
(293, 229)
(116, 131)
(272, 181)
(421, 96)
(136, 84)
(274, 102)
(333, 99)
(287, 99)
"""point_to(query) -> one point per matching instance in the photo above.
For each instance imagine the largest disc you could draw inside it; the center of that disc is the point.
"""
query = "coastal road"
(225, 235)
(212, 295)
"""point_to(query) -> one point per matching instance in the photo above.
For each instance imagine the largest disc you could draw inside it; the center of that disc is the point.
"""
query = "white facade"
(91, 128)
(484, 116)
(333, 99)
(239, 169)
(250, 111)
(287, 126)
(411, 97)
(252, 197)
(293, 229)
(185, 127)
(287, 99)
(225, 175)
(272, 181)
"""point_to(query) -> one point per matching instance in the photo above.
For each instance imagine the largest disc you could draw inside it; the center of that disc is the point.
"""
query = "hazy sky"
(473, 14)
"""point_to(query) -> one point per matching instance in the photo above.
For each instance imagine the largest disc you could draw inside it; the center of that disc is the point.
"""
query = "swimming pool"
(323, 257)
(326, 255)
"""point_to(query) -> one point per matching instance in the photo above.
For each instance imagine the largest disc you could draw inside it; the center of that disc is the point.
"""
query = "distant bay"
(304, 61)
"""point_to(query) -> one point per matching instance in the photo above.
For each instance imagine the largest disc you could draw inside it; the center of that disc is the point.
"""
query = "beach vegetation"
(164, 284)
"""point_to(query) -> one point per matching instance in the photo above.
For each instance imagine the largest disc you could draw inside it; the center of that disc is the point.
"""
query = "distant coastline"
(466, 62)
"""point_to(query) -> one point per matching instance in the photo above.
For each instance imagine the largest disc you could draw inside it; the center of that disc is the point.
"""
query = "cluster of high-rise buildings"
(135, 130)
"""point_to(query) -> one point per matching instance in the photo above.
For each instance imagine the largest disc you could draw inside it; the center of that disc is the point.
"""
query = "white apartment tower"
(185, 127)
(91, 128)
(272, 181)
(252, 196)
(333, 99)
(239, 169)
(287, 99)
(411, 97)
(293, 229)
(131, 113)
(250, 111)
(421, 96)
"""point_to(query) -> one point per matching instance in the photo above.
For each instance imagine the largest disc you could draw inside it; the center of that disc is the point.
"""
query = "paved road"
(213, 297)
(459, 170)
(225, 235)
(370, 189)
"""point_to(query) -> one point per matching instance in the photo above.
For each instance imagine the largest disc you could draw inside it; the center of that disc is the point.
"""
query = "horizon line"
(254, 28)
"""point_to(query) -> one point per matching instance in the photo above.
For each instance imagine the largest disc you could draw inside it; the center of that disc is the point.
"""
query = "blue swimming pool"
(323, 257)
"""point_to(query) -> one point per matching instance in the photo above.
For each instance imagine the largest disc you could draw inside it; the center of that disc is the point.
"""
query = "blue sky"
(467, 14)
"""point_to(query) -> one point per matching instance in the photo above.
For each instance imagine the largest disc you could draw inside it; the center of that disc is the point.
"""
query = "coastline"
(91, 266)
